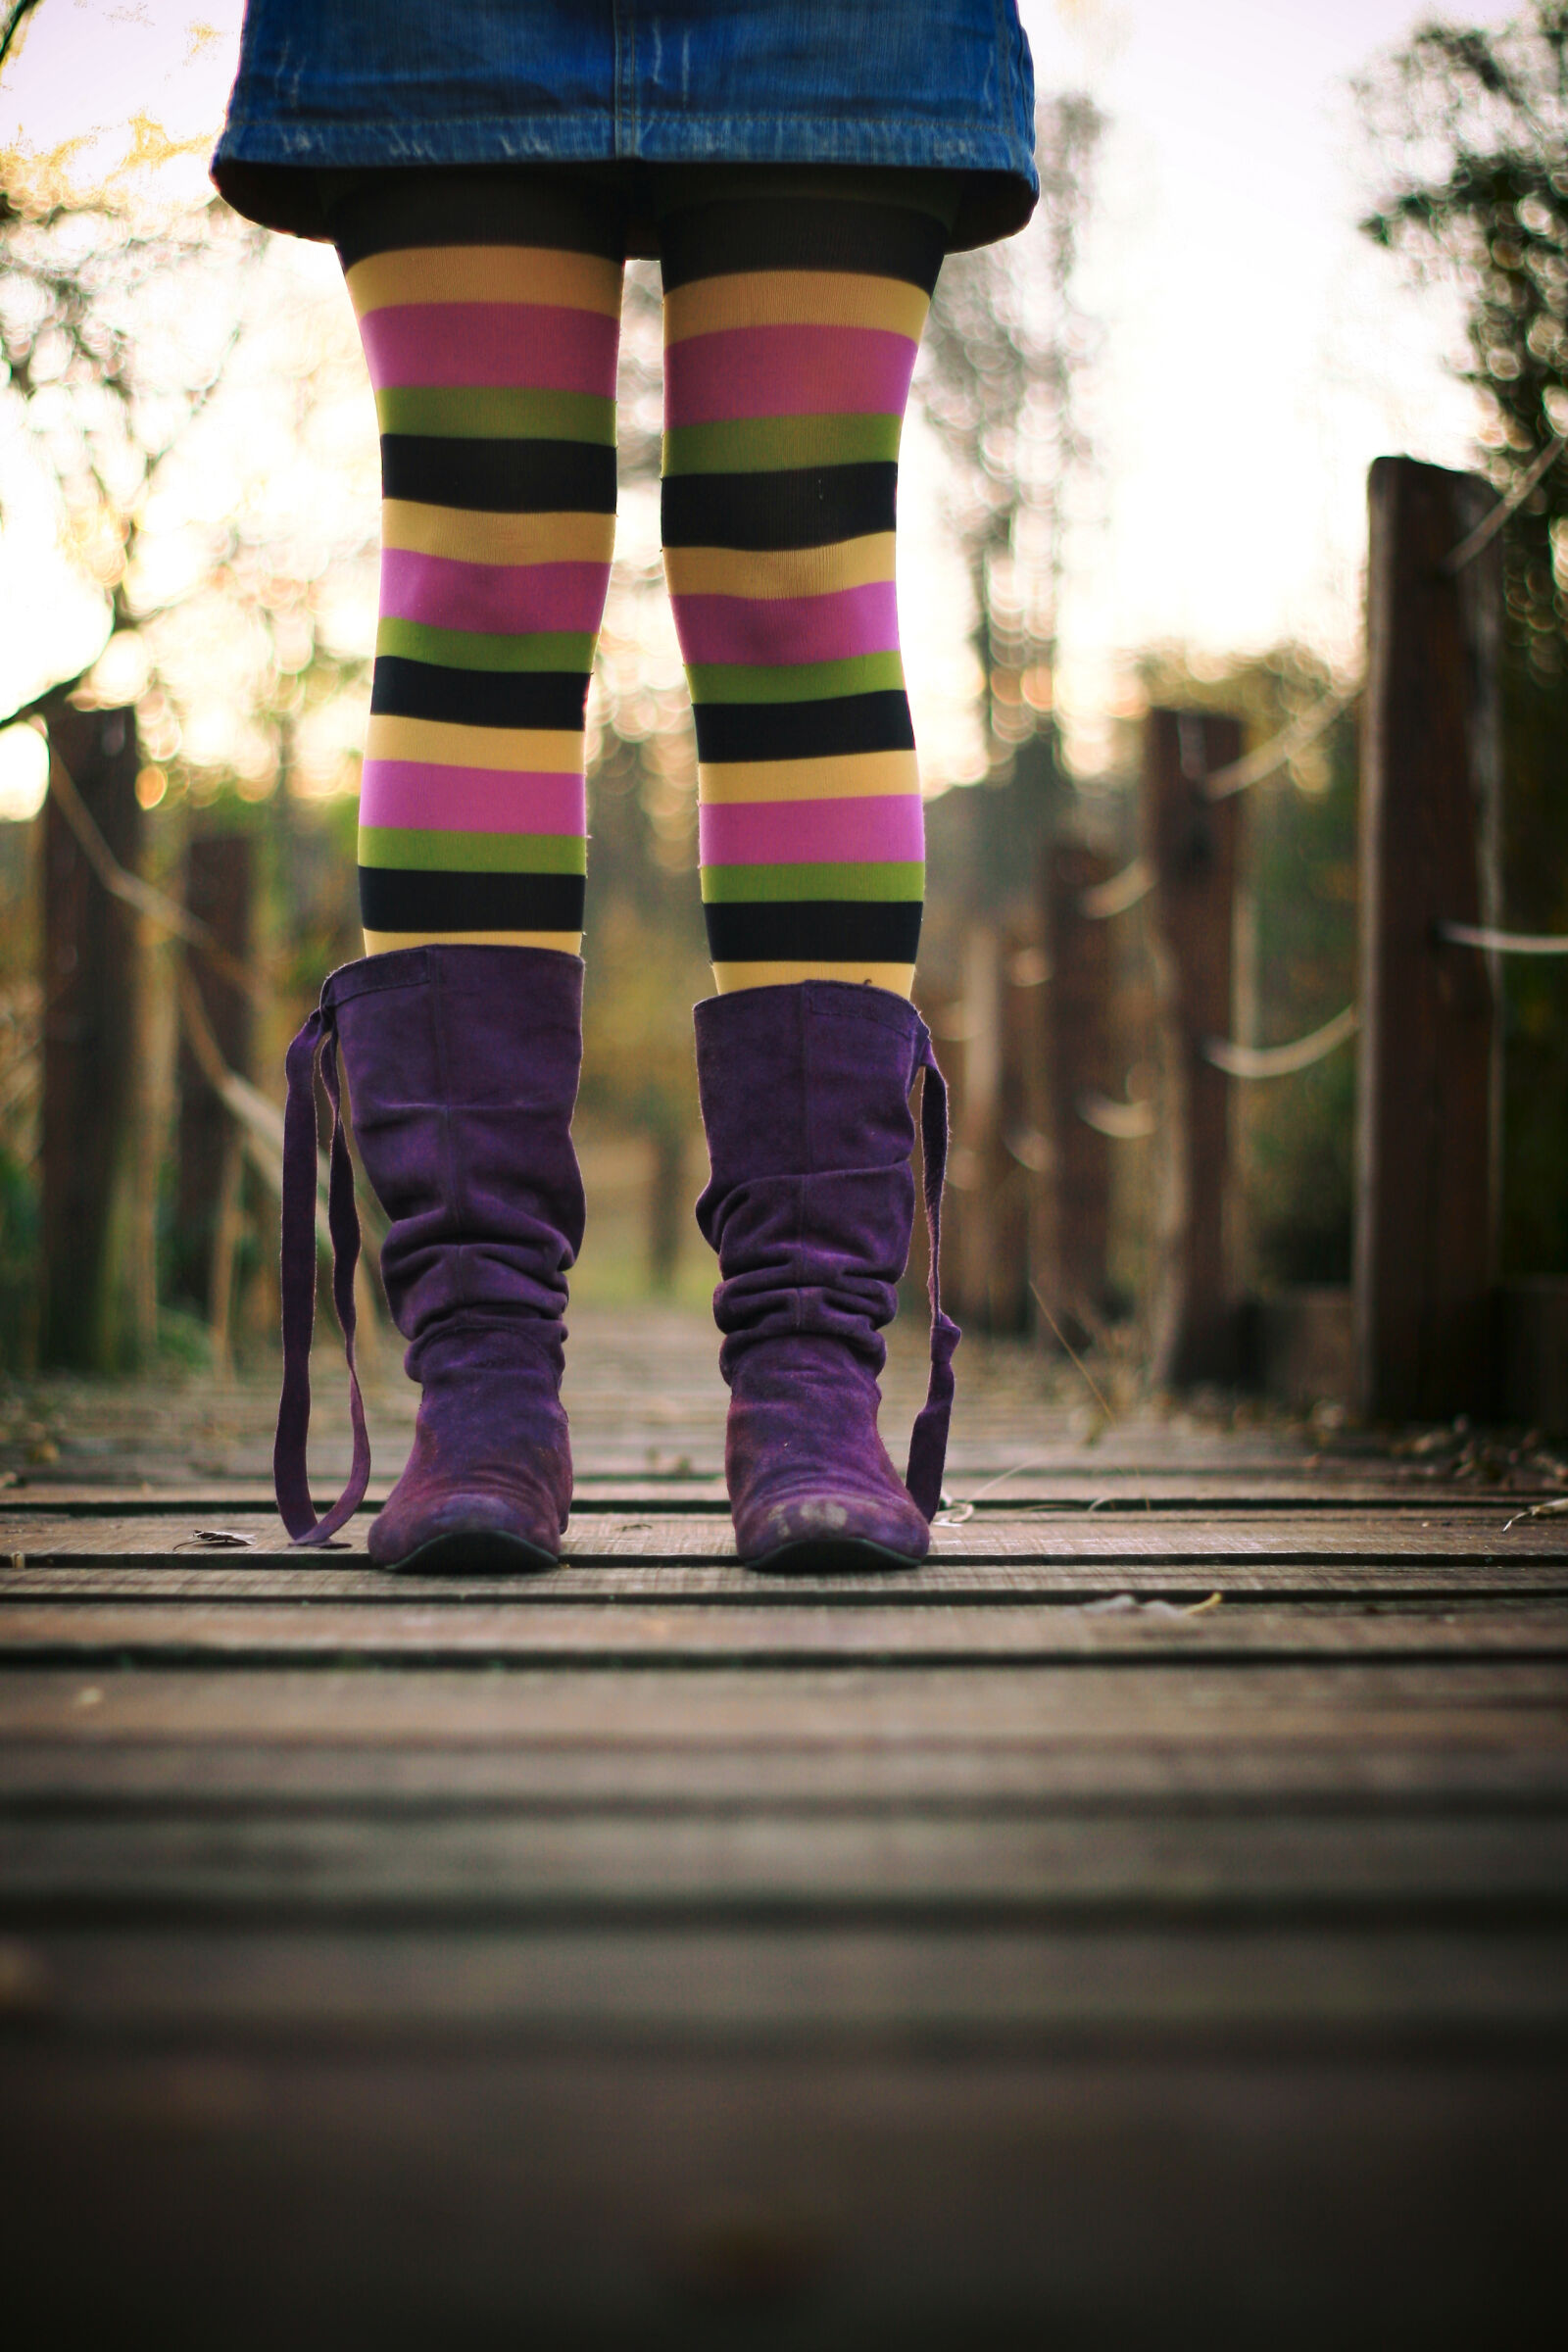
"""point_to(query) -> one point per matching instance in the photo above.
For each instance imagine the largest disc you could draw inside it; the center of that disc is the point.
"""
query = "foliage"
(1473, 127)
(185, 395)
(19, 1253)
(1472, 124)
(11, 21)
(106, 395)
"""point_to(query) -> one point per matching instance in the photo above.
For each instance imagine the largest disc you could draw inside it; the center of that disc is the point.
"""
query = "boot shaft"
(811, 1207)
(461, 1066)
(810, 1202)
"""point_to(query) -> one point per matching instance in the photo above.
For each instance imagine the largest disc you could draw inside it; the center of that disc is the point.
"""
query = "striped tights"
(489, 309)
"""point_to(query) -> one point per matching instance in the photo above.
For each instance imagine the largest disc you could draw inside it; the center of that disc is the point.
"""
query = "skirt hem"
(267, 171)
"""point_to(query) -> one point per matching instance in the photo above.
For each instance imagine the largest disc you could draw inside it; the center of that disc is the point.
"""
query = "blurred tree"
(997, 380)
(999, 369)
(1001, 361)
(185, 398)
(1472, 126)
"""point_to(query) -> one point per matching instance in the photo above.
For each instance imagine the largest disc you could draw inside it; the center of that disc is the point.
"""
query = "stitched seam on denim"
(979, 145)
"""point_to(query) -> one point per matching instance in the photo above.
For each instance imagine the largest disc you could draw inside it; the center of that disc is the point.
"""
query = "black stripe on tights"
(836, 725)
(391, 212)
(815, 505)
(500, 477)
(805, 232)
(395, 899)
(401, 688)
(821, 930)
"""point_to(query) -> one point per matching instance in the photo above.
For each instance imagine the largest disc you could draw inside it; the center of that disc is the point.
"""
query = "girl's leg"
(793, 311)
(490, 311)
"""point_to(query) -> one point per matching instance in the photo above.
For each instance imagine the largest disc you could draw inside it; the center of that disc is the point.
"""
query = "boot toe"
(476, 1534)
(821, 1533)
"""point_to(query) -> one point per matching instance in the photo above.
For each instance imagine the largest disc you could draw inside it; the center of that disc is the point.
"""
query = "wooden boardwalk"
(1152, 1916)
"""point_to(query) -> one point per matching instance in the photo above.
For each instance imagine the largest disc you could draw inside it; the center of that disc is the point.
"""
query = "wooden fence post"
(89, 983)
(219, 878)
(1426, 1113)
(1073, 1277)
(977, 1126)
(1192, 847)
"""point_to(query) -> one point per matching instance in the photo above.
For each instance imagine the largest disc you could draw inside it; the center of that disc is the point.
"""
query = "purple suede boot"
(463, 1066)
(810, 1204)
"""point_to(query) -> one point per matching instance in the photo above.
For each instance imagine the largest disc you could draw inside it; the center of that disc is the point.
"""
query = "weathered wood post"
(1426, 1113)
(220, 882)
(977, 1105)
(1192, 846)
(89, 949)
(1075, 1051)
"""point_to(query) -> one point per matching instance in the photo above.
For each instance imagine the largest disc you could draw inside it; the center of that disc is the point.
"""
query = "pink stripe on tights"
(787, 372)
(537, 345)
(505, 599)
(862, 830)
(416, 796)
(770, 630)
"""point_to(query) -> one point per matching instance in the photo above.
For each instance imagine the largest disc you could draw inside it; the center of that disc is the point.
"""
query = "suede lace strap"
(928, 1445)
(315, 1043)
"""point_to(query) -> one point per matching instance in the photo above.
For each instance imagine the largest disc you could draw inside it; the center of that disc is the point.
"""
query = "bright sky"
(1257, 353)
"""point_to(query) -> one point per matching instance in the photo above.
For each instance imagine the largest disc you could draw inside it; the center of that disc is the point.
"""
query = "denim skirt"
(627, 85)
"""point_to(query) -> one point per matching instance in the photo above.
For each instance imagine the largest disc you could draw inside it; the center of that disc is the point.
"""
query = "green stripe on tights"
(794, 681)
(473, 853)
(472, 649)
(495, 413)
(780, 444)
(736, 885)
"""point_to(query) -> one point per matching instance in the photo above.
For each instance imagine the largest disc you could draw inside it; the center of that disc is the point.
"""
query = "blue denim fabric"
(944, 84)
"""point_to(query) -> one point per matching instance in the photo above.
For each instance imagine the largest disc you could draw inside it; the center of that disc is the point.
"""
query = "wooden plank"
(1425, 1237)
(636, 1540)
(1421, 1765)
(498, 1634)
(1402, 1487)
(827, 1710)
(1192, 844)
(840, 2198)
(920, 1987)
(975, 1584)
(496, 1868)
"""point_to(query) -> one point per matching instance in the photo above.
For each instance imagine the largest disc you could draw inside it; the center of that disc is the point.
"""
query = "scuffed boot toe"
(462, 1534)
(811, 1488)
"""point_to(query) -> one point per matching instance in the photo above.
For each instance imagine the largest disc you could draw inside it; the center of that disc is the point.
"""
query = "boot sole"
(485, 1552)
(832, 1555)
